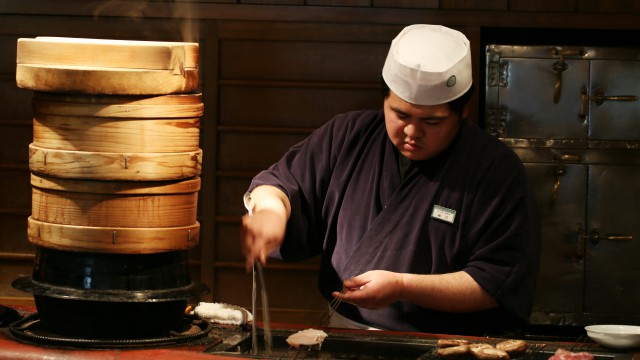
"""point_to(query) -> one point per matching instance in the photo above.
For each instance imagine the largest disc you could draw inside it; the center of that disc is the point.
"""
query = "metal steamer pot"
(91, 295)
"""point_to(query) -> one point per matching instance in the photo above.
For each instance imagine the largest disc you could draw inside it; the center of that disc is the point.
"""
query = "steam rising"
(181, 11)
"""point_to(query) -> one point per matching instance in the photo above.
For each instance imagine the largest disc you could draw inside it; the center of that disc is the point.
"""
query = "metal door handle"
(558, 171)
(561, 66)
(594, 237)
(599, 98)
(617, 237)
(569, 158)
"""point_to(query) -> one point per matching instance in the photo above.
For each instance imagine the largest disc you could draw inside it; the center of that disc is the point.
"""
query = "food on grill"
(453, 348)
(489, 353)
(513, 347)
(562, 354)
(222, 313)
(308, 337)
(454, 351)
(443, 343)
(477, 346)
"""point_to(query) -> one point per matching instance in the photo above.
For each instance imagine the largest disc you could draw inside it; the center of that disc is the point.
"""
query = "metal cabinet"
(573, 117)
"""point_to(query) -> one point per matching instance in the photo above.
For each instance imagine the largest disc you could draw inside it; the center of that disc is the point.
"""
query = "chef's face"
(420, 132)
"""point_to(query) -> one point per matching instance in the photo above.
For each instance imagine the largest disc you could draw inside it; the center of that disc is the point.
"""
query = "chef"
(423, 221)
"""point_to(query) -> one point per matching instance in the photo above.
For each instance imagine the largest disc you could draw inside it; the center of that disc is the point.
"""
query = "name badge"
(444, 214)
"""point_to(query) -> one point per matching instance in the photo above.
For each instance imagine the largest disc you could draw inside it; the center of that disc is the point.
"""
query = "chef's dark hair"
(456, 105)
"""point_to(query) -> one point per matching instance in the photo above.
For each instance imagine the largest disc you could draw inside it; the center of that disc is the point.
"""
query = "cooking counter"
(228, 342)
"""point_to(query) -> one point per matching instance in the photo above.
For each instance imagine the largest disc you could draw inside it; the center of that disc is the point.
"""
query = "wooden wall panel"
(18, 102)
(229, 199)
(8, 44)
(273, 2)
(13, 233)
(11, 269)
(362, 3)
(422, 4)
(352, 31)
(251, 151)
(15, 189)
(543, 5)
(14, 148)
(301, 61)
(610, 6)
(301, 106)
(227, 245)
(475, 4)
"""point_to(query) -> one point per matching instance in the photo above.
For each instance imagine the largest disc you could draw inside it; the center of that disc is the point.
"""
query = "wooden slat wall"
(271, 72)
(15, 193)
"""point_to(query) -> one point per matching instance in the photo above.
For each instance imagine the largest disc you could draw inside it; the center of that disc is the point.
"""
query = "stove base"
(30, 329)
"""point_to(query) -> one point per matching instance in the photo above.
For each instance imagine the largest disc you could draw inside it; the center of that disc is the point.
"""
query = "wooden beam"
(286, 13)
(7, 256)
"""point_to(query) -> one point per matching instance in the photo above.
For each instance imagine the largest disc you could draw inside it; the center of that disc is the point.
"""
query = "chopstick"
(326, 315)
(266, 322)
(254, 336)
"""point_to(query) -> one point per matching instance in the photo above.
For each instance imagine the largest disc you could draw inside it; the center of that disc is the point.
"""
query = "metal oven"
(572, 115)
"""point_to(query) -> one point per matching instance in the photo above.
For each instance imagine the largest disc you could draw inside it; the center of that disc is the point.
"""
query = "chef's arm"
(453, 292)
(263, 231)
(268, 197)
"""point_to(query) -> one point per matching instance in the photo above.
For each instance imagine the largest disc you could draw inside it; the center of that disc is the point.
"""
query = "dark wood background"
(270, 72)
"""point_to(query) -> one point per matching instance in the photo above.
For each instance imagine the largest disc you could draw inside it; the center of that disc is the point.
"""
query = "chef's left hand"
(372, 290)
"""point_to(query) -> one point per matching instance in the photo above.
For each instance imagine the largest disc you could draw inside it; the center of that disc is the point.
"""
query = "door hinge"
(498, 74)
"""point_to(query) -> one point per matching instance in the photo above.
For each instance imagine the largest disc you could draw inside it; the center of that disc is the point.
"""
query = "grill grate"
(192, 329)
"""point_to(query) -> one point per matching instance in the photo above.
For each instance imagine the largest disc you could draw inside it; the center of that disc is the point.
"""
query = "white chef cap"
(428, 65)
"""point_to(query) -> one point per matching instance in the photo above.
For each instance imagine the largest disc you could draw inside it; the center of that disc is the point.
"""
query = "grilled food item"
(489, 353)
(513, 347)
(458, 351)
(477, 346)
(308, 337)
(444, 343)
(505, 350)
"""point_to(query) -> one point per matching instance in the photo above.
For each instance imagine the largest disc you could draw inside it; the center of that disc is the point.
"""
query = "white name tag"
(444, 214)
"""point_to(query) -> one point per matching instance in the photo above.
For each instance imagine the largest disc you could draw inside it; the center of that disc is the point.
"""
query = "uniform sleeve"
(505, 236)
(304, 174)
(303, 234)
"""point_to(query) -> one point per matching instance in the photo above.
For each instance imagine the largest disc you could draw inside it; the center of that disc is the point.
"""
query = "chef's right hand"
(261, 234)
(263, 231)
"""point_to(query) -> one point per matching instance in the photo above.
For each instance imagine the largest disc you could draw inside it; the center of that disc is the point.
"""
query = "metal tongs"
(263, 292)
(327, 314)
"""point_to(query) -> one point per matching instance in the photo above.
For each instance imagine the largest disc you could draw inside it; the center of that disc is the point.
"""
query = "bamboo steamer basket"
(99, 66)
(114, 216)
(137, 138)
(115, 164)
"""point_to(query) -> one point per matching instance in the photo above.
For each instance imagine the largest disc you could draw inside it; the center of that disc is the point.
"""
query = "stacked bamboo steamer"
(143, 152)
(115, 158)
